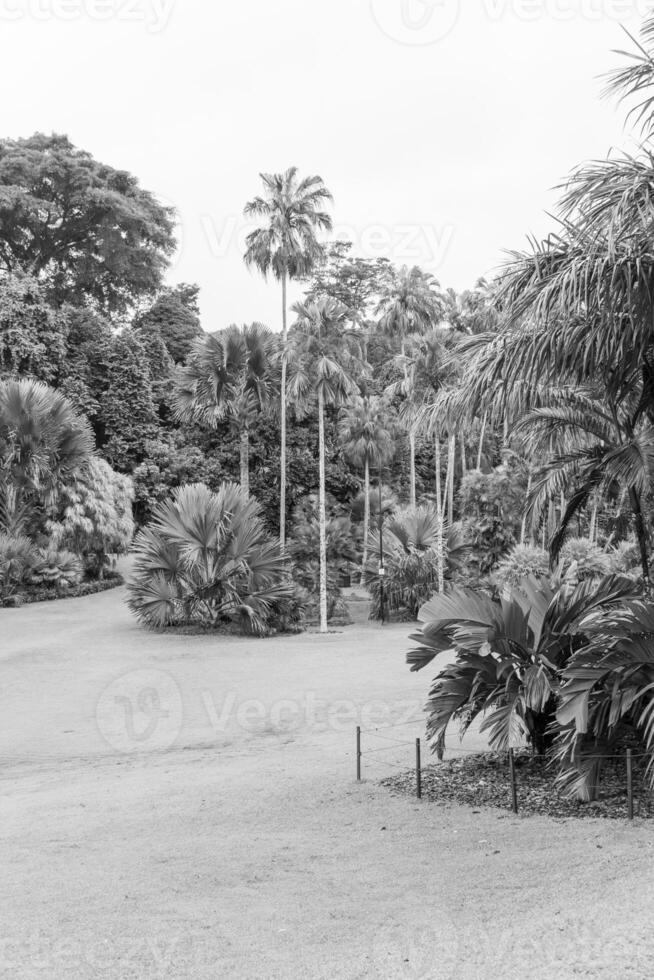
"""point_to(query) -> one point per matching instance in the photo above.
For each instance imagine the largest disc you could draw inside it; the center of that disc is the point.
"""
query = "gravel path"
(181, 807)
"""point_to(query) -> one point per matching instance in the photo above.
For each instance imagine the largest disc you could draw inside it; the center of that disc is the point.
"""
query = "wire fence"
(626, 768)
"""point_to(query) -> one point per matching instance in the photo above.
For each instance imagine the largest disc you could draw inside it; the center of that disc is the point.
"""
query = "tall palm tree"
(409, 304)
(230, 374)
(324, 364)
(292, 212)
(367, 441)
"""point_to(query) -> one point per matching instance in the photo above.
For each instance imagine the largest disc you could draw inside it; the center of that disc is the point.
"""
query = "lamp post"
(382, 570)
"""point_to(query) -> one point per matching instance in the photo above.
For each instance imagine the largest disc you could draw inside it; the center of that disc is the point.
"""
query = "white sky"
(440, 130)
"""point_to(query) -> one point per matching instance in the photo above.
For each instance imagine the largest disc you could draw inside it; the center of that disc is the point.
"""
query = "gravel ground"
(185, 807)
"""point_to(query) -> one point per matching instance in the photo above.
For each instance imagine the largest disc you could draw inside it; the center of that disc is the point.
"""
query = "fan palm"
(206, 557)
(286, 245)
(367, 441)
(416, 545)
(44, 444)
(230, 374)
(324, 368)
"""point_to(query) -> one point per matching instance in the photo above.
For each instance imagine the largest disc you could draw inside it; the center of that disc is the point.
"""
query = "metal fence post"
(358, 754)
(514, 789)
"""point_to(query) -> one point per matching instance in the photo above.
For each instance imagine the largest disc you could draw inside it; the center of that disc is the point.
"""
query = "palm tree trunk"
(523, 528)
(366, 517)
(481, 440)
(282, 450)
(245, 459)
(450, 480)
(440, 551)
(641, 534)
(412, 467)
(322, 516)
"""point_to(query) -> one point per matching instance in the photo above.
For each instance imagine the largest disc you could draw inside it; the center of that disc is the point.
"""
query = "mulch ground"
(482, 780)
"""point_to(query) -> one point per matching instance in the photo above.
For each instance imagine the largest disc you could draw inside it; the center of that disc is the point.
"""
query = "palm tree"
(591, 450)
(324, 364)
(409, 304)
(206, 557)
(44, 444)
(367, 441)
(286, 245)
(229, 374)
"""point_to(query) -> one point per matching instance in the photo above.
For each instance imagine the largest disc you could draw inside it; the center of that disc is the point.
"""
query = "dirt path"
(180, 807)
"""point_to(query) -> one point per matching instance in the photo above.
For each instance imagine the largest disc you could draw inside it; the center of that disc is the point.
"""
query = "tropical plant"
(94, 516)
(522, 561)
(231, 374)
(367, 440)
(56, 568)
(286, 245)
(607, 695)
(17, 558)
(324, 365)
(44, 444)
(410, 542)
(509, 654)
(206, 558)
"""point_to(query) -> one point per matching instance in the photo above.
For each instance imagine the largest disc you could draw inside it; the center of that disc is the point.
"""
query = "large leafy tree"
(367, 439)
(325, 369)
(128, 415)
(87, 230)
(175, 316)
(33, 335)
(231, 374)
(291, 212)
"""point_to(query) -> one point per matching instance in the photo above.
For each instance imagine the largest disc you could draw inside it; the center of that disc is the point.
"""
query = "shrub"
(521, 562)
(95, 516)
(17, 557)
(206, 558)
(409, 544)
(56, 568)
(581, 559)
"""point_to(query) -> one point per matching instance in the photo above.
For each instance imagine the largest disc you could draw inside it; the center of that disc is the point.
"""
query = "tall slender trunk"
(440, 550)
(366, 517)
(523, 528)
(412, 467)
(641, 534)
(322, 516)
(244, 440)
(282, 450)
(481, 439)
(450, 474)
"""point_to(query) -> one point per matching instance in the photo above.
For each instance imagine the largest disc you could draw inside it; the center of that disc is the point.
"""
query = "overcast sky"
(440, 130)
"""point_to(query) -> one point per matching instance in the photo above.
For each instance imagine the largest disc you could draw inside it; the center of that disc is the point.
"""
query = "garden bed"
(482, 780)
(40, 594)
